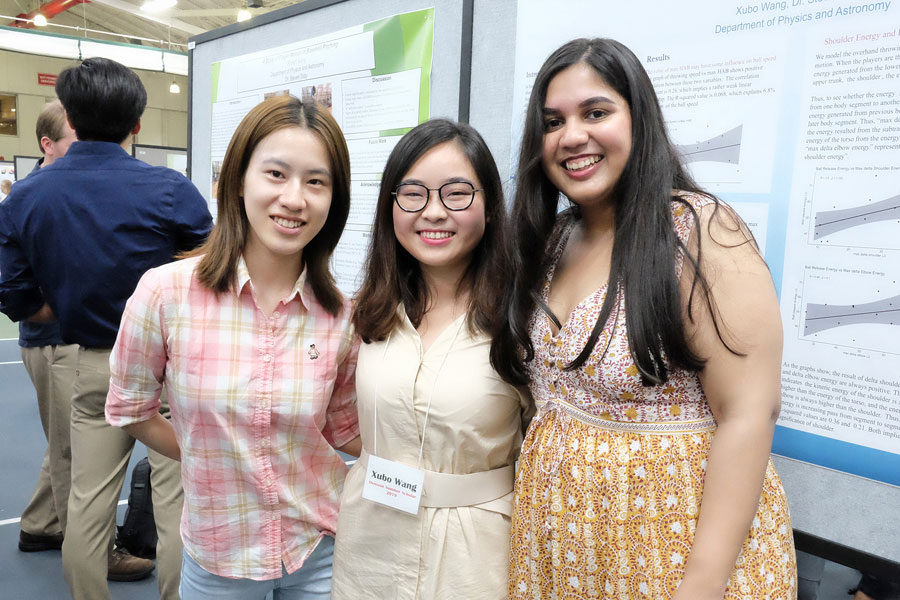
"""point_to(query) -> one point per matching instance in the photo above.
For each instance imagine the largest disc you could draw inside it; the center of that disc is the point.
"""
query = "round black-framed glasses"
(454, 195)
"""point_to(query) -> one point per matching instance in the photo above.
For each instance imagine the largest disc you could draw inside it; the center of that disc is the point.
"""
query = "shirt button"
(264, 442)
(267, 358)
(274, 516)
(276, 314)
(268, 481)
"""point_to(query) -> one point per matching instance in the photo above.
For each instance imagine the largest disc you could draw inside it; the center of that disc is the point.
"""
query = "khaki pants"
(100, 455)
(51, 369)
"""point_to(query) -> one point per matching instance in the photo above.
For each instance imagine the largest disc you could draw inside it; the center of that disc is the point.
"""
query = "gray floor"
(39, 575)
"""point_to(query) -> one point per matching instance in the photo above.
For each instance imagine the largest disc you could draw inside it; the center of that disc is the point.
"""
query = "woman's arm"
(157, 434)
(744, 393)
(341, 419)
(526, 402)
(137, 367)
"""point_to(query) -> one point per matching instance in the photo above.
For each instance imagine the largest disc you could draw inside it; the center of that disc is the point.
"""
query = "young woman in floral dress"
(651, 339)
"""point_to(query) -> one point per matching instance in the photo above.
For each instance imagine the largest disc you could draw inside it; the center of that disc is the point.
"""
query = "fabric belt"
(449, 490)
(557, 405)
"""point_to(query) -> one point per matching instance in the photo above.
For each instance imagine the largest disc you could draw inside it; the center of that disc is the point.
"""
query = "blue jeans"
(311, 582)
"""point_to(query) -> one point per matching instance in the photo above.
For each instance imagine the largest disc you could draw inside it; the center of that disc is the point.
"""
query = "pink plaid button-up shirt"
(257, 404)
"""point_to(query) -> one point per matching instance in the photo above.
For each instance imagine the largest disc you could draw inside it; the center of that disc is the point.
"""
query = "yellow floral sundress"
(610, 478)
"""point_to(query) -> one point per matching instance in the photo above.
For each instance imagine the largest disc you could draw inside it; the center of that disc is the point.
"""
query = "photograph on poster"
(320, 93)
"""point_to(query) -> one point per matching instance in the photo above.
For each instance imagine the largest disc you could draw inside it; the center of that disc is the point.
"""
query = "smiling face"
(441, 240)
(587, 135)
(287, 194)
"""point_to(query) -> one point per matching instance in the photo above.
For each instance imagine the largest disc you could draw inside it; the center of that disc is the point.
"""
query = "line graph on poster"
(714, 147)
(850, 306)
(722, 148)
(856, 207)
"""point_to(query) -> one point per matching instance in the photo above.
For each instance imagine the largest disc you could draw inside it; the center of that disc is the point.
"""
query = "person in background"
(51, 366)
(75, 239)
(429, 400)
(253, 342)
(871, 587)
(5, 187)
(54, 134)
(647, 324)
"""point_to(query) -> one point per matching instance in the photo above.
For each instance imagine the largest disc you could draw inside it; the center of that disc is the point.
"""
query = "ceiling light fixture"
(40, 20)
(155, 6)
(174, 88)
(243, 15)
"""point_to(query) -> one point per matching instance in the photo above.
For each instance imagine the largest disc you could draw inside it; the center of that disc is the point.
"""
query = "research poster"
(790, 112)
(7, 171)
(375, 78)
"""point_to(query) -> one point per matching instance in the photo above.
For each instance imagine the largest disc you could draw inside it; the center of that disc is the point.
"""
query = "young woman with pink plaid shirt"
(253, 342)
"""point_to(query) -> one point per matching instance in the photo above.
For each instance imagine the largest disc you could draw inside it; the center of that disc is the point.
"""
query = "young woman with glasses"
(647, 324)
(425, 511)
(253, 341)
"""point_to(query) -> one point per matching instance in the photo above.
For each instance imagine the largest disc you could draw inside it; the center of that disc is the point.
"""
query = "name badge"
(393, 484)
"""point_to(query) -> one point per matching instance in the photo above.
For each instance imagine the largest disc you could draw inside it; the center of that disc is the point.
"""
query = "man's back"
(92, 223)
(74, 240)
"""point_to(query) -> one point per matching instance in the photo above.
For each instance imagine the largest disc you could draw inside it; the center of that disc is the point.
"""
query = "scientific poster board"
(789, 111)
(161, 156)
(374, 66)
(851, 512)
(7, 170)
(23, 165)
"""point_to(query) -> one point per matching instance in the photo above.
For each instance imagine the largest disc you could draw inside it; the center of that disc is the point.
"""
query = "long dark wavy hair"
(217, 269)
(393, 276)
(645, 246)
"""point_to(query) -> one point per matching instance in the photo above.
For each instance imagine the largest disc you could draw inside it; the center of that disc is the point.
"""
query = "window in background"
(8, 115)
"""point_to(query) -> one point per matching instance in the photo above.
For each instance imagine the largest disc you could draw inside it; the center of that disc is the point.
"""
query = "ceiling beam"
(212, 12)
(49, 10)
(136, 11)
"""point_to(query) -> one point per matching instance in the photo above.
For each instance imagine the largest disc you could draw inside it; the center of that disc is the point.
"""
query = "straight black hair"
(645, 246)
(393, 276)
(103, 99)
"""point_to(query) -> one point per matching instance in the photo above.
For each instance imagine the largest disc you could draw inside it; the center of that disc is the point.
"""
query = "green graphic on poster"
(375, 79)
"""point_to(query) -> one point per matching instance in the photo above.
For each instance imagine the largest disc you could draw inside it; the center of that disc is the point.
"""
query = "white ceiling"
(174, 26)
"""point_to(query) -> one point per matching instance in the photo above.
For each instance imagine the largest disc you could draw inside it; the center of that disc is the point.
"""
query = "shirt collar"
(86, 148)
(300, 288)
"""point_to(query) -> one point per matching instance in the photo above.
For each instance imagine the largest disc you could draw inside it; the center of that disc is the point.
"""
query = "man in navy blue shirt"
(75, 239)
(51, 367)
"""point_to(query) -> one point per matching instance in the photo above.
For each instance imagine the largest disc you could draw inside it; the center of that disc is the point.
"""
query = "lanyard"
(430, 395)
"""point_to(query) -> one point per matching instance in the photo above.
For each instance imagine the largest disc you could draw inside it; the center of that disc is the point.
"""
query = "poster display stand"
(789, 111)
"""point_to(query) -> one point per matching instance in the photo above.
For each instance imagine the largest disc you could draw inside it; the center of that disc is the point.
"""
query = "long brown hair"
(218, 266)
(393, 276)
